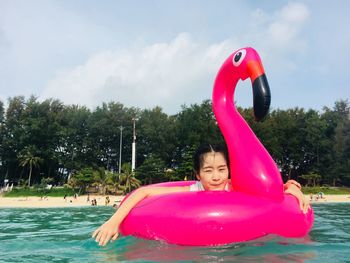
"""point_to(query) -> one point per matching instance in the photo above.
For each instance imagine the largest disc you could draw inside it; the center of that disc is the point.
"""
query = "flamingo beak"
(261, 89)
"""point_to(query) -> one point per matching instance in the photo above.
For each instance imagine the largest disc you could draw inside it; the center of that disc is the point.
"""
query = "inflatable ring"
(258, 205)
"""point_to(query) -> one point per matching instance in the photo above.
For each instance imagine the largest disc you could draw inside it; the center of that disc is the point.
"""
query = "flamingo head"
(247, 63)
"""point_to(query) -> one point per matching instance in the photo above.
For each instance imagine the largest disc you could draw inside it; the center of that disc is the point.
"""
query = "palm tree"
(128, 179)
(113, 183)
(101, 180)
(28, 159)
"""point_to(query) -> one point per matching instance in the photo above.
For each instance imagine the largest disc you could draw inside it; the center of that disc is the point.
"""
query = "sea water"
(64, 235)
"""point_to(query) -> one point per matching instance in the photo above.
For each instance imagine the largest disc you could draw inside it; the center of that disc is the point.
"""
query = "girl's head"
(211, 166)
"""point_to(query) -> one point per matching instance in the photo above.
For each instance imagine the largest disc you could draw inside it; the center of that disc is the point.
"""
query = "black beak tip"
(262, 97)
(260, 115)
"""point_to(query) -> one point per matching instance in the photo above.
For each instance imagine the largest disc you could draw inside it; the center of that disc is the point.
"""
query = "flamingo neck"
(252, 169)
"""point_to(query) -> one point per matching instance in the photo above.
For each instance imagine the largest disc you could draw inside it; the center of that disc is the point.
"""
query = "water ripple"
(63, 235)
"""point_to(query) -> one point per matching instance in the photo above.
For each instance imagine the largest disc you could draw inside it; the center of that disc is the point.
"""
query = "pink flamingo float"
(257, 206)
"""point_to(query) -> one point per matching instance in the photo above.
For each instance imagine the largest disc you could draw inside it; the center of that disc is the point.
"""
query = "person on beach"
(107, 201)
(211, 167)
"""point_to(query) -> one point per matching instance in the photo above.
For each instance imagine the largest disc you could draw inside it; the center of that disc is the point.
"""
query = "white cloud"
(287, 25)
(160, 74)
(280, 35)
(180, 71)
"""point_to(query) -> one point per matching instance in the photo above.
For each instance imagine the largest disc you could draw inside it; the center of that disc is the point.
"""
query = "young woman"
(212, 171)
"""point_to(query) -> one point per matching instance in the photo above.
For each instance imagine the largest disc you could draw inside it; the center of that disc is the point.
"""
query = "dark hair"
(198, 156)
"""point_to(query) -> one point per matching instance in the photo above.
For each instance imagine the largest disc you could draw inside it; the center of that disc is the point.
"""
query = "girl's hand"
(110, 229)
(294, 189)
(106, 232)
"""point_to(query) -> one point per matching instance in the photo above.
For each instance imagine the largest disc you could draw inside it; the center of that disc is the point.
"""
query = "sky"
(167, 53)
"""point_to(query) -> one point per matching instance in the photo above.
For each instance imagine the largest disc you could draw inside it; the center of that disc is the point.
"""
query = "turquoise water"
(63, 235)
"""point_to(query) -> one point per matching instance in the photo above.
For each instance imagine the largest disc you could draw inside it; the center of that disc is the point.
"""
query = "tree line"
(40, 140)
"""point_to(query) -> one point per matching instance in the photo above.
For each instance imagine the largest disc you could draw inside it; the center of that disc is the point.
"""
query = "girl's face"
(214, 172)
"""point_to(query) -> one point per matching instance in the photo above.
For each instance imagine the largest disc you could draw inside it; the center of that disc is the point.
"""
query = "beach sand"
(37, 202)
(331, 199)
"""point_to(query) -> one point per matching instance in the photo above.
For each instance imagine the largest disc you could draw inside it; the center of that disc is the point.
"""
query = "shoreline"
(52, 202)
(331, 199)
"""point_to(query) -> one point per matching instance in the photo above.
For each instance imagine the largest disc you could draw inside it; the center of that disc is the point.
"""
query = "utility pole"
(133, 152)
(120, 148)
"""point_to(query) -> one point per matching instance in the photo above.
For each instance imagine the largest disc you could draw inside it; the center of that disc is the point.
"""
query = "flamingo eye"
(238, 57)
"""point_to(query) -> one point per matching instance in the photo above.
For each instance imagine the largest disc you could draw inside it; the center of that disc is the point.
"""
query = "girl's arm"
(110, 229)
(293, 187)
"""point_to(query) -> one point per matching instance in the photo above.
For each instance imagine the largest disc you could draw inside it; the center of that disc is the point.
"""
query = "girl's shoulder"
(197, 186)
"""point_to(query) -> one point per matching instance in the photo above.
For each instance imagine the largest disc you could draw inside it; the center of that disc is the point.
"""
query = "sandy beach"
(37, 202)
(331, 199)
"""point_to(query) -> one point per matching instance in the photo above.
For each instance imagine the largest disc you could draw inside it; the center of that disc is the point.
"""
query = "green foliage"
(326, 190)
(114, 184)
(311, 177)
(54, 192)
(28, 159)
(196, 125)
(50, 140)
(128, 180)
(185, 168)
(100, 180)
(341, 166)
(152, 170)
(82, 179)
(105, 182)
